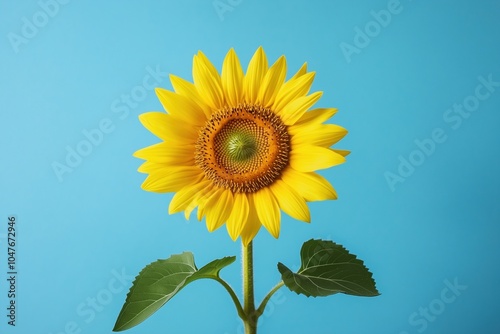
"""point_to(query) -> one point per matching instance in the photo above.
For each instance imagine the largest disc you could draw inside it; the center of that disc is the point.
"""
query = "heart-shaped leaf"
(328, 268)
(159, 281)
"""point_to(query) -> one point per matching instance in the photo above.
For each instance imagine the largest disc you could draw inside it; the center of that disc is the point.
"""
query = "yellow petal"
(302, 70)
(320, 135)
(181, 107)
(207, 81)
(150, 167)
(293, 89)
(188, 195)
(209, 66)
(232, 78)
(189, 209)
(319, 115)
(167, 153)
(167, 128)
(252, 224)
(256, 71)
(272, 82)
(311, 186)
(238, 217)
(218, 209)
(172, 179)
(295, 109)
(187, 89)
(308, 158)
(290, 201)
(217, 205)
(343, 153)
(268, 210)
(202, 201)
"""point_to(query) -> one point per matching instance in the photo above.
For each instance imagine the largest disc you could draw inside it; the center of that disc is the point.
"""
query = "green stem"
(251, 318)
(235, 299)
(262, 306)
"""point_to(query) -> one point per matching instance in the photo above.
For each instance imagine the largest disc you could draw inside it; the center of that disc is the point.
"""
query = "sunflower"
(241, 147)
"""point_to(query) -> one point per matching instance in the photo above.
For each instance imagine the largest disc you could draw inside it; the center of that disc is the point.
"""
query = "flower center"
(243, 148)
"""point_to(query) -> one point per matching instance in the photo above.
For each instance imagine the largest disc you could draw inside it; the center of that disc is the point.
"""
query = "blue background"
(78, 232)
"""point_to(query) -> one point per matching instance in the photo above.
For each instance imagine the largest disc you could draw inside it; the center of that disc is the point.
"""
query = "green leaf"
(328, 268)
(159, 281)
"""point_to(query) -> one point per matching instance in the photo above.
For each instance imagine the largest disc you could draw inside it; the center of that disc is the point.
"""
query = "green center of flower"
(244, 148)
(241, 146)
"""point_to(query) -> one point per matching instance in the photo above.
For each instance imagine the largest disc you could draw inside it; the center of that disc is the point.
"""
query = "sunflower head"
(241, 147)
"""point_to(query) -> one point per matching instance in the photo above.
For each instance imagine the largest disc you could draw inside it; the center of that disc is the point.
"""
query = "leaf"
(159, 281)
(328, 268)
